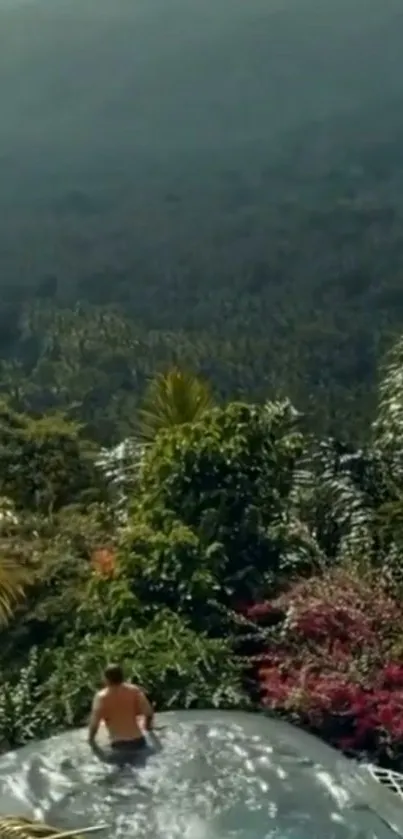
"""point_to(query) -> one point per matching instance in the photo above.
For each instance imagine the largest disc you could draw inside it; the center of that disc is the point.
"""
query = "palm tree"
(172, 398)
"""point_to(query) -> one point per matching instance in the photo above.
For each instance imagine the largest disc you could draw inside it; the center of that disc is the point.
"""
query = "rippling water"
(218, 775)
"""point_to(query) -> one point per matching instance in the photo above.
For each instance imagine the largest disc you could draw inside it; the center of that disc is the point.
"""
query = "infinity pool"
(218, 775)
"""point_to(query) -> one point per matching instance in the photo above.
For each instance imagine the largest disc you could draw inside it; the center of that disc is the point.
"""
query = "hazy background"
(212, 166)
(108, 105)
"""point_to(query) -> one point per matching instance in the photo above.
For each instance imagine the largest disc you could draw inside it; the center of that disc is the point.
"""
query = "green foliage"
(173, 569)
(14, 579)
(108, 600)
(57, 552)
(228, 478)
(44, 462)
(388, 425)
(158, 554)
(24, 713)
(176, 666)
(15, 575)
(351, 500)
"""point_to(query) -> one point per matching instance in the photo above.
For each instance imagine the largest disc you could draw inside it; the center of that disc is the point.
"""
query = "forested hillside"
(217, 185)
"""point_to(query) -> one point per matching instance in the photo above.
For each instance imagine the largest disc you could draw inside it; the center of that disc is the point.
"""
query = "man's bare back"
(123, 708)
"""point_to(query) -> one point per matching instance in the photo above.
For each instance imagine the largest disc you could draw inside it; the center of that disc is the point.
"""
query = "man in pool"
(121, 706)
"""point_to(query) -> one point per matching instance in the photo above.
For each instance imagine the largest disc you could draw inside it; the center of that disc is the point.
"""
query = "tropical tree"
(352, 499)
(46, 462)
(172, 399)
(218, 491)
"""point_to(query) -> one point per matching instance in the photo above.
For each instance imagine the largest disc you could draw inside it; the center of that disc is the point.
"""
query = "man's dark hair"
(114, 674)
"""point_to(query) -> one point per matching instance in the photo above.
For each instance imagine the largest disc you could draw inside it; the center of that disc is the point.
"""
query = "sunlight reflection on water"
(218, 775)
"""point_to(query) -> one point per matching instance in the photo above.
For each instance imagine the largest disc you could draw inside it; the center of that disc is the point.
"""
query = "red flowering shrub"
(334, 662)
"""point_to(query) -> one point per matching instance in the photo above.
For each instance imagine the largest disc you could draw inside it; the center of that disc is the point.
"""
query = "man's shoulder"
(130, 686)
(101, 694)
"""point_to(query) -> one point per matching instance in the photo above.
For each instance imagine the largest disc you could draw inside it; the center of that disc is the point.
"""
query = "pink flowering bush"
(334, 662)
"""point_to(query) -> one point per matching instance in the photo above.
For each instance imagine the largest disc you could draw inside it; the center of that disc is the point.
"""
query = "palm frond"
(14, 579)
(12, 827)
(387, 428)
(332, 493)
(172, 398)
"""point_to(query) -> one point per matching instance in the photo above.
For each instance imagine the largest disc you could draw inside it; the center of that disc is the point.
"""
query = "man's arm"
(95, 719)
(145, 709)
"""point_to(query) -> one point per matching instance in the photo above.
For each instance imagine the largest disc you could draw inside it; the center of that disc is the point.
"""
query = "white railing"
(392, 780)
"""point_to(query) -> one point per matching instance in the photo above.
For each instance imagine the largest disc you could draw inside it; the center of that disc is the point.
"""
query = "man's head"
(113, 675)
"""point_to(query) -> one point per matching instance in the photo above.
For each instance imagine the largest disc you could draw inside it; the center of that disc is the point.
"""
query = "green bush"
(228, 479)
(25, 712)
(177, 667)
(57, 551)
(172, 569)
(46, 463)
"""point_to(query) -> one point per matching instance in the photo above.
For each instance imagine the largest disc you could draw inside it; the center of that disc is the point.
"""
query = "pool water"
(217, 775)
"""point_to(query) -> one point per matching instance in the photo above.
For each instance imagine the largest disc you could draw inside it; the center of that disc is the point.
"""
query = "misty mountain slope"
(225, 166)
(81, 78)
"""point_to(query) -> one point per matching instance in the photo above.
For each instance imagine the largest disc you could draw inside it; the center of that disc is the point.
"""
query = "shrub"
(333, 662)
(46, 463)
(228, 479)
(177, 667)
(24, 712)
(172, 569)
(58, 552)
